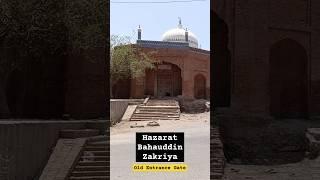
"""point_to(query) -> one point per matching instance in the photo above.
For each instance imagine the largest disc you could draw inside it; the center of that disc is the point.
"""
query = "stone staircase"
(157, 110)
(93, 162)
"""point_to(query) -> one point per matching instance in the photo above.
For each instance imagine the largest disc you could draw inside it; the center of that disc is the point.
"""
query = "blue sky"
(155, 19)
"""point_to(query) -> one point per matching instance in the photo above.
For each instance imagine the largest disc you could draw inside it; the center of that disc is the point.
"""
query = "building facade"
(182, 69)
(267, 57)
(266, 72)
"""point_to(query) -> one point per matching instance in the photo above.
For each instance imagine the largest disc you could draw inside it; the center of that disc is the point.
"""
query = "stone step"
(92, 163)
(148, 119)
(159, 107)
(89, 173)
(162, 102)
(158, 112)
(100, 138)
(78, 133)
(101, 143)
(93, 158)
(96, 148)
(97, 153)
(91, 168)
(155, 115)
(153, 119)
(90, 178)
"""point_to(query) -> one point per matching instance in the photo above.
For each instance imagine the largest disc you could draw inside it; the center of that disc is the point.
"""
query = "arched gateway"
(164, 80)
(288, 79)
(221, 65)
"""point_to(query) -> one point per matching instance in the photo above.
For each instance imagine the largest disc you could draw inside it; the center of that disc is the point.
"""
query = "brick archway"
(200, 86)
(288, 79)
(164, 80)
(221, 62)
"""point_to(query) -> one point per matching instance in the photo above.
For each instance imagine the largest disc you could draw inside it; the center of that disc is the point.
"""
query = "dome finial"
(180, 24)
(139, 33)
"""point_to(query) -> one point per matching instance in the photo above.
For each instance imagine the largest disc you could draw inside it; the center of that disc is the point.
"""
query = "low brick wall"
(218, 159)
(118, 108)
(26, 145)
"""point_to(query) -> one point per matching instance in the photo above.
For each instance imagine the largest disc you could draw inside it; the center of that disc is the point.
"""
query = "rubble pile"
(194, 105)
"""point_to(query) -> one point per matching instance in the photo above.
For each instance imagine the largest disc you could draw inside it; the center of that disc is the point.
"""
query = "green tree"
(29, 31)
(127, 61)
(86, 23)
(42, 30)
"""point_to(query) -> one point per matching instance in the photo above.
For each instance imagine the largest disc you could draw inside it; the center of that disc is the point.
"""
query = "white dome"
(178, 35)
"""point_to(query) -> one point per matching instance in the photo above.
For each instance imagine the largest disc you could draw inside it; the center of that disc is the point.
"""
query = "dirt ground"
(304, 170)
(265, 142)
(196, 128)
(269, 150)
(186, 121)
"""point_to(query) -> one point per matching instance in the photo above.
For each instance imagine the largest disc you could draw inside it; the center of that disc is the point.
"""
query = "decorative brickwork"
(217, 155)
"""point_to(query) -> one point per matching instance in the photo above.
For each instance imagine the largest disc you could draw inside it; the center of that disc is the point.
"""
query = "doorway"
(168, 80)
(288, 79)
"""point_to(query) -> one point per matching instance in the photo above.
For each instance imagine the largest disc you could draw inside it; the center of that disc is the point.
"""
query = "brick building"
(268, 53)
(181, 69)
(265, 76)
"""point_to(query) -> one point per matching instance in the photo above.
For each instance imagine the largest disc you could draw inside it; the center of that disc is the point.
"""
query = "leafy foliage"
(86, 23)
(127, 60)
(37, 29)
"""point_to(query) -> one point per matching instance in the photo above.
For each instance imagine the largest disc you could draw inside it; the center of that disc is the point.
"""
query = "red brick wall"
(190, 61)
(253, 27)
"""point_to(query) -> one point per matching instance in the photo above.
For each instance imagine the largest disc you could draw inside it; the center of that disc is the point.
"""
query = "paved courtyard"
(197, 148)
